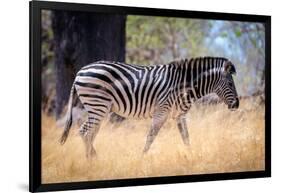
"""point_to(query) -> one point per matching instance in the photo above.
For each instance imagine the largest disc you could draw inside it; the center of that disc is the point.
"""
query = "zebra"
(153, 91)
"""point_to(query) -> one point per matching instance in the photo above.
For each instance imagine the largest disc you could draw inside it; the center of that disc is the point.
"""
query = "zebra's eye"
(230, 84)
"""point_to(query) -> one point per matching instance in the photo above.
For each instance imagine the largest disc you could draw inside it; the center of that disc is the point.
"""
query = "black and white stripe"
(156, 91)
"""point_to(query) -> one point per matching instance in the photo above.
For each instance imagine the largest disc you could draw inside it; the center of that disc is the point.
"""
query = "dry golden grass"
(221, 141)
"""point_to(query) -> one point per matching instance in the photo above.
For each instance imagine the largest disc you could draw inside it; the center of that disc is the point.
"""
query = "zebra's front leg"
(181, 122)
(157, 122)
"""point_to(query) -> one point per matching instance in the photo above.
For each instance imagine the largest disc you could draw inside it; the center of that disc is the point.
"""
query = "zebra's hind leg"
(157, 122)
(181, 121)
(90, 128)
(88, 132)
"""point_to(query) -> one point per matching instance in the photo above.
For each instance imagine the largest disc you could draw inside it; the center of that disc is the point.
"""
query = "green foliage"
(238, 32)
(162, 39)
(223, 34)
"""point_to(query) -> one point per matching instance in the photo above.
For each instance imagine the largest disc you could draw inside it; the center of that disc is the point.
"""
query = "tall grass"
(221, 141)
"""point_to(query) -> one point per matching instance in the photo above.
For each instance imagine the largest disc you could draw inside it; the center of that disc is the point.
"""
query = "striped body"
(135, 91)
(156, 91)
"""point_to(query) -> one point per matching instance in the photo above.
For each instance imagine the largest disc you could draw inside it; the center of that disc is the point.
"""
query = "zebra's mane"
(185, 61)
(193, 62)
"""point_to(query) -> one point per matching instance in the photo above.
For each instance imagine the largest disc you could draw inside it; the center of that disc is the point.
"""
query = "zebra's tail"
(72, 100)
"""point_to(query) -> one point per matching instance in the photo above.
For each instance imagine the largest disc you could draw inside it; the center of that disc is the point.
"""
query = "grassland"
(221, 141)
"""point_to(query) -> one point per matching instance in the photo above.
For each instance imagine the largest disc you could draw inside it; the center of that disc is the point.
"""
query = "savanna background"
(221, 141)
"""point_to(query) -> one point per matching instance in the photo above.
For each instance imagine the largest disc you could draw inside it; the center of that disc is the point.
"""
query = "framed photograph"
(125, 96)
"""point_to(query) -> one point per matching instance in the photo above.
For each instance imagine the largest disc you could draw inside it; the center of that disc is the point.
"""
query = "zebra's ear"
(229, 68)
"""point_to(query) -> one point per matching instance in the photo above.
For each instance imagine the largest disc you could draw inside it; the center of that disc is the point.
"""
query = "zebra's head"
(225, 88)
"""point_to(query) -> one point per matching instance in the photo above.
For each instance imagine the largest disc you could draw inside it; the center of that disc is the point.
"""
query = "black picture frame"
(35, 183)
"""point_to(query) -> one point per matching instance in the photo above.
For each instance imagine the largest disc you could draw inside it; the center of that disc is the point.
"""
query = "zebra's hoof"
(187, 143)
(62, 140)
(91, 154)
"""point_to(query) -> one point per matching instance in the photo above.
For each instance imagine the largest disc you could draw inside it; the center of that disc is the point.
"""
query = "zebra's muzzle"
(234, 105)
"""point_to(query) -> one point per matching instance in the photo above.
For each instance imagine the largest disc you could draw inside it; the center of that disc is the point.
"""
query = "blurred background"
(71, 40)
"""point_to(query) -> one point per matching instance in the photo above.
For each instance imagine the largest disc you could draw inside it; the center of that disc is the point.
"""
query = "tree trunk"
(81, 38)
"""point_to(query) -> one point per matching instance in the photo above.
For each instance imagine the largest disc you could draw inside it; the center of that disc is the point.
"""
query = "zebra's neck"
(205, 83)
(199, 77)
